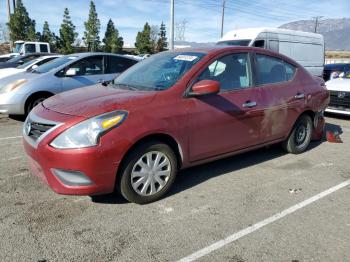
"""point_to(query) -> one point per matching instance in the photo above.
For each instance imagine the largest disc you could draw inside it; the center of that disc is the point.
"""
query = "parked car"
(171, 111)
(337, 68)
(21, 92)
(304, 47)
(5, 58)
(20, 60)
(340, 95)
(30, 65)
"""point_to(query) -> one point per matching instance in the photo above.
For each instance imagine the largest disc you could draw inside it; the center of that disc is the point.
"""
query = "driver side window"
(88, 66)
(232, 71)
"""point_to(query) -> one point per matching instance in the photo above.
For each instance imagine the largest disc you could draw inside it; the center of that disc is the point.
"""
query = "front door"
(89, 71)
(227, 121)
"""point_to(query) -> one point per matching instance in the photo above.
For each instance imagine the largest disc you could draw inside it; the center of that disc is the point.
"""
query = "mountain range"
(336, 32)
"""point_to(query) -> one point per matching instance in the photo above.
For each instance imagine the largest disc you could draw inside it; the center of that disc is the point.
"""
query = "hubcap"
(150, 173)
(301, 134)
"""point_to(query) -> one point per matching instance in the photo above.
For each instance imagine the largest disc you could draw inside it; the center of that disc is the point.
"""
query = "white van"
(306, 48)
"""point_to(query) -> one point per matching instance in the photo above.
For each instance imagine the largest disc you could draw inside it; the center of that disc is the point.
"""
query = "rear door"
(115, 65)
(89, 70)
(281, 96)
(227, 121)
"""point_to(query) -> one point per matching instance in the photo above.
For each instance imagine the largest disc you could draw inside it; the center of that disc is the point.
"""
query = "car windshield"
(18, 47)
(235, 43)
(347, 75)
(29, 63)
(15, 59)
(159, 72)
(54, 64)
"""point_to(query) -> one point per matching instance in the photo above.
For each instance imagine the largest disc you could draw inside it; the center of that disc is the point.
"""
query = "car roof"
(87, 54)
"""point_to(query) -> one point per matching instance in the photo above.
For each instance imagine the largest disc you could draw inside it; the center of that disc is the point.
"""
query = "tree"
(32, 36)
(113, 42)
(162, 40)
(92, 29)
(143, 40)
(21, 27)
(67, 33)
(49, 37)
(154, 37)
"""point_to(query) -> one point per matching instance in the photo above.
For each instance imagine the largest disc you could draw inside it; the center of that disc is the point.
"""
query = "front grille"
(38, 129)
(339, 100)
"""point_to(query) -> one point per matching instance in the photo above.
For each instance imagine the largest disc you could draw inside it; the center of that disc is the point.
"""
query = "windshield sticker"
(189, 58)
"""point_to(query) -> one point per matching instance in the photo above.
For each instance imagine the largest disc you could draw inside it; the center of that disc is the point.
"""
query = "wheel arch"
(35, 95)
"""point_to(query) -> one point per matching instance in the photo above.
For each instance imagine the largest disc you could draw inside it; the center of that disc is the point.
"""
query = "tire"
(34, 101)
(140, 181)
(300, 137)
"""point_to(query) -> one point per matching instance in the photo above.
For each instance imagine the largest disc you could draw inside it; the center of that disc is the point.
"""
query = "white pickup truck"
(25, 47)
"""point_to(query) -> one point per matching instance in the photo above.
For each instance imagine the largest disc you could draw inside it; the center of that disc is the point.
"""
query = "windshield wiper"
(125, 86)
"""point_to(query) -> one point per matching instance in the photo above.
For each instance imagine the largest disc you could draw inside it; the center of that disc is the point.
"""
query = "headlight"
(88, 132)
(13, 85)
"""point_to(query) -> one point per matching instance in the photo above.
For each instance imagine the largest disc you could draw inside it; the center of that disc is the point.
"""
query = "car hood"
(21, 75)
(339, 84)
(95, 100)
(9, 71)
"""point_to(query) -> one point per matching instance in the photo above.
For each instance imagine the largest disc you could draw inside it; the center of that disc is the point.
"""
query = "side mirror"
(20, 62)
(71, 72)
(34, 67)
(205, 87)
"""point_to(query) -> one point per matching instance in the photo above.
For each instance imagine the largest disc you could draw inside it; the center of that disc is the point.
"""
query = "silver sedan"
(20, 93)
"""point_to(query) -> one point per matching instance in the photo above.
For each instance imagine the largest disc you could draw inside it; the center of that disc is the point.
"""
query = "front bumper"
(96, 166)
(11, 103)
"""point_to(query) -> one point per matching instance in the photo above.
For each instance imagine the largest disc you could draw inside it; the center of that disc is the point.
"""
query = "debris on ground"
(333, 137)
(295, 190)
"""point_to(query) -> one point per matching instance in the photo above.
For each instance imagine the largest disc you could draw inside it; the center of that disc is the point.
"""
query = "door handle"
(299, 96)
(249, 104)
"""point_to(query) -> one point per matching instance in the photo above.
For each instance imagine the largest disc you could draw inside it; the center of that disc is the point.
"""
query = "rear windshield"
(235, 43)
(54, 64)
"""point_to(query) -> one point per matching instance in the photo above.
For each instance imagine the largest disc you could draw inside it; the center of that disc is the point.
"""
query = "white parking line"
(221, 243)
(11, 137)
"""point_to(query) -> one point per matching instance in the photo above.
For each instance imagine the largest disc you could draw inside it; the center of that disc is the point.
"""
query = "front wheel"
(33, 102)
(300, 137)
(148, 173)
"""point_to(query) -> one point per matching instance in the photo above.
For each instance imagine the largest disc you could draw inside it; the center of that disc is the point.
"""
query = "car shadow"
(112, 198)
(19, 118)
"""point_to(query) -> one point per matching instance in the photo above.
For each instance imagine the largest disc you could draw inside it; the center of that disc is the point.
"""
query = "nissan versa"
(171, 111)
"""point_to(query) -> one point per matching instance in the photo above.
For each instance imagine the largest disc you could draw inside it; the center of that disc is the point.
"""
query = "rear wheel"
(300, 137)
(148, 173)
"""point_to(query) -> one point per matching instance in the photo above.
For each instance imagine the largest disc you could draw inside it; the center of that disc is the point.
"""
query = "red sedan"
(172, 111)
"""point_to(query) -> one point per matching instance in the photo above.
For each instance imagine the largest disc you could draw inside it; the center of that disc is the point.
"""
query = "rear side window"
(117, 64)
(290, 71)
(270, 70)
(43, 48)
(30, 48)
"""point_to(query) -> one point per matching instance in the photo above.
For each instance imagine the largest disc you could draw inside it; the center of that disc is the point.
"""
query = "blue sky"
(203, 16)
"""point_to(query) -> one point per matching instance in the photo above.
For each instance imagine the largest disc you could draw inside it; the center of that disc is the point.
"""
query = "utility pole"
(9, 17)
(317, 21)
(14, 5)
(223, 17)
(172, 21)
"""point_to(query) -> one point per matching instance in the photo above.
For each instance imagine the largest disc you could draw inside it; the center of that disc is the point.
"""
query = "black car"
(20, 60)
(330, 68)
